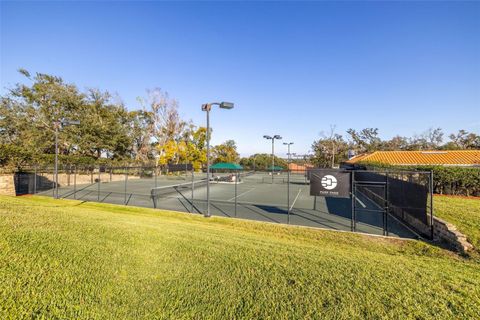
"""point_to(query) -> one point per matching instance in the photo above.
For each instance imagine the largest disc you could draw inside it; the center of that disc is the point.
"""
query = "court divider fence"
(382, 202)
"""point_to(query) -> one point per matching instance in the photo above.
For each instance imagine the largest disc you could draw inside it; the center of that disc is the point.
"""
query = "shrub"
(446, 180)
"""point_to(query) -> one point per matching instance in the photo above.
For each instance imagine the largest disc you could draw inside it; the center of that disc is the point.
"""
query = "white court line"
(370, 200)
(295, 199)
(361, 203)
(241, 194)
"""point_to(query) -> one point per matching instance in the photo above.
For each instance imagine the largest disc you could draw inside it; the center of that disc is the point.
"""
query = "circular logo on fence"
(329, 182)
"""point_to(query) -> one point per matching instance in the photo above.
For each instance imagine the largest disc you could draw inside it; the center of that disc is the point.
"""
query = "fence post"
(385, 214)
(431, 205)
(53, 183)
(75, 183)
(68, 174)
(98, 184)
(288, 193)
(193, 184)
(35, 180)
(126, 178)
(353, 202)
(236, 178)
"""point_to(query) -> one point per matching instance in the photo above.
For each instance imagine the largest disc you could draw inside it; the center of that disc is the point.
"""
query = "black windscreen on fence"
(411, 197)
(407, 195)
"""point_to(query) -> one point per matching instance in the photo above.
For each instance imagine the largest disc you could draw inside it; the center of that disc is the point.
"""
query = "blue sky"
(292, 69)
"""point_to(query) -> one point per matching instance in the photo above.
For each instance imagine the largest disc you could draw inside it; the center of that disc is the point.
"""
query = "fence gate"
(370, 204)
(388, 199)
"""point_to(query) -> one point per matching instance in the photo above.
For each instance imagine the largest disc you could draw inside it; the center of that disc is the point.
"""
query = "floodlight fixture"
(226, 105)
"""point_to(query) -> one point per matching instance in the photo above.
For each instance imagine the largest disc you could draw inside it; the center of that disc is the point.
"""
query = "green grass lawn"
(67, 259)
(463, 213)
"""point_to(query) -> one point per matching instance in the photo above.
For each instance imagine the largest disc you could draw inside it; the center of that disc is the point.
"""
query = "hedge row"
(446, 180)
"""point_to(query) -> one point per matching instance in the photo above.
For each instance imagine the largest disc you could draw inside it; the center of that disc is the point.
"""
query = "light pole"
(59, 125)
(273, 149)
(207, 107)
(288, 144)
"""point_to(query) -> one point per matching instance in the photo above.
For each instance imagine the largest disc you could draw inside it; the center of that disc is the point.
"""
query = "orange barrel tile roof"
(297, 167)
(446, 158)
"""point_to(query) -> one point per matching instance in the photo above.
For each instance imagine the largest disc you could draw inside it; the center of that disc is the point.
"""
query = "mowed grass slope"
(464, 213)
(67, 259)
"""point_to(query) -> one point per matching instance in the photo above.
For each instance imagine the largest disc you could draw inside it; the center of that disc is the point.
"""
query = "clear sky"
(291, 69)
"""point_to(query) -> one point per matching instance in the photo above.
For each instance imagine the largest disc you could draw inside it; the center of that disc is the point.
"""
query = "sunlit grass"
(464, 213)
(67, 259)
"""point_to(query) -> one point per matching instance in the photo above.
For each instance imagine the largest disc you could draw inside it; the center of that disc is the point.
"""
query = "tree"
(262, 161)
(366, 140)
(428, 140)
(330, 149)
(167, 124)
(141, 131)
(225, 152)
(464, 140)
(325, 155)
(396, 143)
(434, 137)
(28, 115)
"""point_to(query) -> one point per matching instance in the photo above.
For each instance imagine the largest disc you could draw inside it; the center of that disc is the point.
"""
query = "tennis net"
(159, 192)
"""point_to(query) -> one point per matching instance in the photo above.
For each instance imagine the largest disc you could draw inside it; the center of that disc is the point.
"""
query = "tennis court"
(255, 196)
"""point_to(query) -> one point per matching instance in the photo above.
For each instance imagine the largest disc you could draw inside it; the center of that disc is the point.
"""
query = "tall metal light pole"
(59, 124)
(288, 144)
(207, 107)
(273, 149)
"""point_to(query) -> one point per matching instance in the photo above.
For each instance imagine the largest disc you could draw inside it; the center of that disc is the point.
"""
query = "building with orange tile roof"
(463, 158)
(298, 167)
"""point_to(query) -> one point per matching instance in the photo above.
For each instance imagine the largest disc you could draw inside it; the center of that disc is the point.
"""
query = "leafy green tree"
(262, 161)
(464, 140)
(396, 143)
(29, 114)
(329, 152)
(366, 140)
(225, 152)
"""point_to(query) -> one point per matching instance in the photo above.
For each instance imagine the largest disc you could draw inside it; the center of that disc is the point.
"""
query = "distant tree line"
(331, 149)
(109, 132)
(262, 161)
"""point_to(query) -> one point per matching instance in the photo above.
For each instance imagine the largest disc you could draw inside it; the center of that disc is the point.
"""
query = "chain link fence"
(383, 203)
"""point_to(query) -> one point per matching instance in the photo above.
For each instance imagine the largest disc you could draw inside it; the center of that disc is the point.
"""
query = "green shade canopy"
(226, 166)
(275, 168)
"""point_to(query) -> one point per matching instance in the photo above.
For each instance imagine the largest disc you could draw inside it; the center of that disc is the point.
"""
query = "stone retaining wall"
(7, 181)
(68, 179)
(448, 234)
(7, 186)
